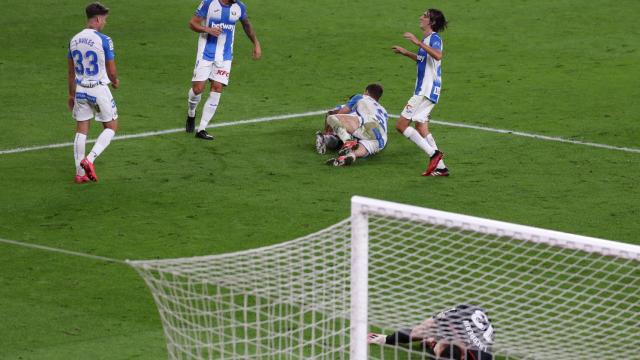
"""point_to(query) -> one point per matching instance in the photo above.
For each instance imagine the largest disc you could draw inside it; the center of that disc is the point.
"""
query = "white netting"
(281, 302)
(547, 297)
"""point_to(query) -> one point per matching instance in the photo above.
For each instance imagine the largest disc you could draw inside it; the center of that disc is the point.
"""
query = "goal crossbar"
(549, 294)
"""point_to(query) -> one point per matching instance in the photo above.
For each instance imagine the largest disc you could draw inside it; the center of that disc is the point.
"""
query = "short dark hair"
(375, 91)
(95, 9)
(437, 20)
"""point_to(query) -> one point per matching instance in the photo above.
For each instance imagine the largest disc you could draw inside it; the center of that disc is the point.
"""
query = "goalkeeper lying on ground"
(359, 127)
(462, 333)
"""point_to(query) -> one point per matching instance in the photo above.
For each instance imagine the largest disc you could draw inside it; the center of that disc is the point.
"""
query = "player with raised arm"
(461, 333)
(91, 67)
(360, 125)
(427, 89)
(215, 21)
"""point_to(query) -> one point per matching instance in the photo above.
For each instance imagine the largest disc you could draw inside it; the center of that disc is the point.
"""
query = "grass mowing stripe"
(314, 113)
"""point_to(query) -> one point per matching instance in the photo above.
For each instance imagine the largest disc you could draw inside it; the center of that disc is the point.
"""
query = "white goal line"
(320, 112)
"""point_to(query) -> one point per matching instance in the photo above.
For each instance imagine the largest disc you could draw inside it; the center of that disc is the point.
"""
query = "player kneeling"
(358, 128)
(462, 333)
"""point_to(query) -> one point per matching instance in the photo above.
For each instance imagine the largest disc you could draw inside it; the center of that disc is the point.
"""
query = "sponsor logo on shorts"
(222, 72)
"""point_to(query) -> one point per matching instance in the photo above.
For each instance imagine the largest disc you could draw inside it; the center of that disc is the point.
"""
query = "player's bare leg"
(101, 144)
(209, 109)
(79, 145)
(195, 95)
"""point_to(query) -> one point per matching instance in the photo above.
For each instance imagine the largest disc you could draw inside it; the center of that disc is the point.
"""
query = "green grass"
(555, 68)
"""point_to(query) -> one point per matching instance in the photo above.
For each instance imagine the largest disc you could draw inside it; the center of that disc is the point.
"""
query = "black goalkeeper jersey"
(467, 323)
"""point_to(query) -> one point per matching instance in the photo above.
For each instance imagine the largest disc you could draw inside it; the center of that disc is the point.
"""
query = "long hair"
(437, 20)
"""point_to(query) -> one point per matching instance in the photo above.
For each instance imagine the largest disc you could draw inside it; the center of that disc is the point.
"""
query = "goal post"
(550, 295)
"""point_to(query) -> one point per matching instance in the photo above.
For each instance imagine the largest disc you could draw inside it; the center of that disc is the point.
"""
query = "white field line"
(315, 113)
(274, 118)
(170, 131)
(536, 136)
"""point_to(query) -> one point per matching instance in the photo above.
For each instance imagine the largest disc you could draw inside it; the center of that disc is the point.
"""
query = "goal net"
(549, 295)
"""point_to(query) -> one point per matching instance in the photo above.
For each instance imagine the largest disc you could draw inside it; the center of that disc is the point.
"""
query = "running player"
(91, 67)
(215, 21)
(427, 90)
(462, 333)
(361, 126)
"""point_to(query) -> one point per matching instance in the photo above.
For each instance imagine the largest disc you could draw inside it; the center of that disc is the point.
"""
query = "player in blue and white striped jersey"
(91, 67)
(215, 20)
(427, 89)
(360, 124)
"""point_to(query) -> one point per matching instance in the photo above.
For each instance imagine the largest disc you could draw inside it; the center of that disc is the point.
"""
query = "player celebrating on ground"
(462, 333)
(215, 20)
(91, 68)
(361, 126)
(427, 90)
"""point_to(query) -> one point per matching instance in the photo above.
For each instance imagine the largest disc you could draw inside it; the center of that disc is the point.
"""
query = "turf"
(533, 66)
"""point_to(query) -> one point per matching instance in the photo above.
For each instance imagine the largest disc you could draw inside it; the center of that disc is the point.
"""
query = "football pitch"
(538, 119)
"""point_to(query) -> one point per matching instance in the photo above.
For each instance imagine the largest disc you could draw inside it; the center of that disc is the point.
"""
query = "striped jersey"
(219, 48)
(368, 109)
(429, 80)
(89, 50)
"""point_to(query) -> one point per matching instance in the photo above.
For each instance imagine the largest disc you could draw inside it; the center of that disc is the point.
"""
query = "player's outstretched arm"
(436, 54)
(71, 80)
(248, 29)
(112, 73)
(402, 51)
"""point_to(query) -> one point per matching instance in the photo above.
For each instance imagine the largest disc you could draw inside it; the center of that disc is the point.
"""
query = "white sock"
(194, 100)
(210, 107)
(413, 135)
(78, 151)
(337, 127)
(432, 142)
(103, 141)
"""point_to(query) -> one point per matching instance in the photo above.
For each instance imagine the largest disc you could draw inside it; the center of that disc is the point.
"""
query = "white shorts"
(418, 109)
(94, 102)
(214, 70)
(373, 139)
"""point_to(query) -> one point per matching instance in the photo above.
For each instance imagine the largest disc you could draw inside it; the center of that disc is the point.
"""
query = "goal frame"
(362, 207)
